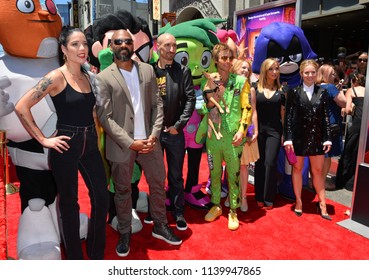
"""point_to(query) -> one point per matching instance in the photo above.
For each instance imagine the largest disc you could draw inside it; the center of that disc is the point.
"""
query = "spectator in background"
(341, 65)
(336, 100)
(362, 63)
(242, 67)
(347, 164)
(250, 152)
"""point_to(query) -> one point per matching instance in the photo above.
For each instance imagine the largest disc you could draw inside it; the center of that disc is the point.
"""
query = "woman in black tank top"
(73, 148)
(267, 101)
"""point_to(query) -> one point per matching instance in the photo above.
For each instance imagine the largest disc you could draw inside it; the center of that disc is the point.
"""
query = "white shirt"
(133, 85)
(309, 91)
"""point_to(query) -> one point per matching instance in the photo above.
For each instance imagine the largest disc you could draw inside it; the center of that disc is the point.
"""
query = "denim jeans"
(83, 156)
(174, 147)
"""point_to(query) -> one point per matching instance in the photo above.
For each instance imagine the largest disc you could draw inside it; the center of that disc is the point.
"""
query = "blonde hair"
(217, 49)
(306, 63)
(237, 65)
(323, 73)
(264, 68)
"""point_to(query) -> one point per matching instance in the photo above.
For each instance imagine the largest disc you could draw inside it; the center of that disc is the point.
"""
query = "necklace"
(79, 77)
(269, 87)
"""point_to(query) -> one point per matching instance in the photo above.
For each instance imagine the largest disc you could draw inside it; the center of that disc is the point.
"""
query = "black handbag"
(335, 130)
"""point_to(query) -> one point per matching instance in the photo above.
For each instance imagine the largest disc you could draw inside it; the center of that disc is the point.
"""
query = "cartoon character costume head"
(195, 40)
(288, 44)
(104, 28)
(29, 32)
(230, 38)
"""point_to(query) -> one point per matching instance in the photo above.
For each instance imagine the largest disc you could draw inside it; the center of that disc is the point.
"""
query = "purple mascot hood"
(288, 44)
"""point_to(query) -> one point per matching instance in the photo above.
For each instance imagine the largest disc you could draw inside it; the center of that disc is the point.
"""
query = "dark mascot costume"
(288, 44)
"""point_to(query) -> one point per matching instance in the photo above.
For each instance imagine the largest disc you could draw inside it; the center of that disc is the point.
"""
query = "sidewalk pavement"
(341, 196)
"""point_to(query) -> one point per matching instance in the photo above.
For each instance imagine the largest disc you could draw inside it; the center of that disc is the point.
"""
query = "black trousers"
(83, 156)
(266, 167)
(174, 147)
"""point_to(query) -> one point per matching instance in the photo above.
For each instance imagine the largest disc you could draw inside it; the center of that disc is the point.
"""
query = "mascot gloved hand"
(288, 44)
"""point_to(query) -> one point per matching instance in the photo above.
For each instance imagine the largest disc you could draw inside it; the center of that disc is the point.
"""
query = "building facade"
(327, 24)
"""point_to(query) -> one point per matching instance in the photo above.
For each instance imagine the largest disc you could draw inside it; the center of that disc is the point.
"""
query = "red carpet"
(2, 214)
(263, 235)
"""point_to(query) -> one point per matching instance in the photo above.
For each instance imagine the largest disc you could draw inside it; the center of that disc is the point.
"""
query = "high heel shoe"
(319, 211)
(298, 212)
(260, 204)
(244, 207)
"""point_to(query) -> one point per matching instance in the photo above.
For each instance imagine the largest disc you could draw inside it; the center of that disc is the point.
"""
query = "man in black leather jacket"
(177, 91)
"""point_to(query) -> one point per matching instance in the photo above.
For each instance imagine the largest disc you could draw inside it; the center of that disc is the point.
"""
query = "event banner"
(249, 24)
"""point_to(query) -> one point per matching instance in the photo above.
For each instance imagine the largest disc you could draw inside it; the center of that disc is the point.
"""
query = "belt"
(76, 129)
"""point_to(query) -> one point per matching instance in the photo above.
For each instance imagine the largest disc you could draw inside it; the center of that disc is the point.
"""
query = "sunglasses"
(121, 41)
(363, 60)
(227, 58)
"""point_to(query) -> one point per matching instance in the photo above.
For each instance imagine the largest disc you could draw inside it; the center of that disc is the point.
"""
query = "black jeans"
(83, 156)
(174, 147)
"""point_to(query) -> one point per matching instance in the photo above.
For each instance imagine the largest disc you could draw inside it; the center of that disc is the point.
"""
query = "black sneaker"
(122, 248)
(164, 232)
(181, 223)
(148, 220)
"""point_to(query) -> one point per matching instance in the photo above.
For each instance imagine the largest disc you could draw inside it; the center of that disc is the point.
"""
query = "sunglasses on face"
(227, 58)
(121, 41)
(363, 60)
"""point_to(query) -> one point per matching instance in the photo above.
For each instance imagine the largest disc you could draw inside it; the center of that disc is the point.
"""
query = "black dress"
(307, 121)
(347, 164)
(269, 143)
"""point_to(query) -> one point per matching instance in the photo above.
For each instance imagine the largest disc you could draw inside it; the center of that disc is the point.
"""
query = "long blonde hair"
(323, 73)
(264, 68)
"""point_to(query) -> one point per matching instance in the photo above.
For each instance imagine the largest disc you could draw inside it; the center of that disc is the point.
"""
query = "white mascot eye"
(182, 58)
(296, 57)
(279, 59)
(25, 6)
(205, 59)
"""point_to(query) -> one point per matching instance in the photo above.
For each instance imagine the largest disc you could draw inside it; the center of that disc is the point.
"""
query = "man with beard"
(131, 112)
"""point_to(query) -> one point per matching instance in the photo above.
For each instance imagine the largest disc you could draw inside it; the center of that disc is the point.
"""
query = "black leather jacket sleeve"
(181, 98)
(189, 100)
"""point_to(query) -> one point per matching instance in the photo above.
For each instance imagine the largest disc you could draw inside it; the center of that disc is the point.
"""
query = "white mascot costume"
(29, 31)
